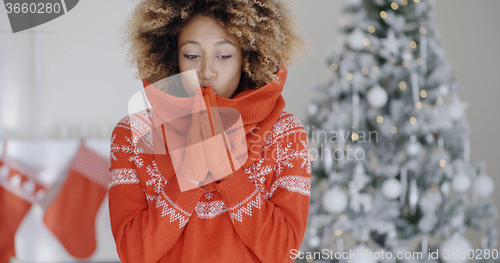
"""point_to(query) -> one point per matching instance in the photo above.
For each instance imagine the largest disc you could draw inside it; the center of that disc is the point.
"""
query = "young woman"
(240, 51)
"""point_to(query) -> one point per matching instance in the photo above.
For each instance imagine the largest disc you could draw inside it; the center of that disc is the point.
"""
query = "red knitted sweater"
(258, 214)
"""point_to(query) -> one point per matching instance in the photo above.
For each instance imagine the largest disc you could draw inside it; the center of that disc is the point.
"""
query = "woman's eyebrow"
(225, 41)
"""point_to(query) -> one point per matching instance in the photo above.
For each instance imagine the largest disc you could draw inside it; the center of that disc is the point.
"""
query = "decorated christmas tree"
(388, 138)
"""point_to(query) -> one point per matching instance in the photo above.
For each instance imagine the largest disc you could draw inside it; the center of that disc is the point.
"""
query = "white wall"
(81, 78)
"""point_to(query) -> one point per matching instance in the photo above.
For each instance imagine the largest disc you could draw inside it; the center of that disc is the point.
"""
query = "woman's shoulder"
(288, 118)
(139, 120)
(135, 127)
(286, 125)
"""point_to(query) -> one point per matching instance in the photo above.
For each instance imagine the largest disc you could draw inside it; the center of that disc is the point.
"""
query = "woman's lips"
(206, 86)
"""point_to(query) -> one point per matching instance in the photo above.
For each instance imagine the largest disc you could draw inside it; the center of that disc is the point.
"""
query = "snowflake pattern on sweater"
(261, 172)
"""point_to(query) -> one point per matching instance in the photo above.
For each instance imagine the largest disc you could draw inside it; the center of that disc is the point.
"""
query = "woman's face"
(216, 56)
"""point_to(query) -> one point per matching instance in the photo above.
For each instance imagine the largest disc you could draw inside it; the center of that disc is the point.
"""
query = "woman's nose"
(207, 70)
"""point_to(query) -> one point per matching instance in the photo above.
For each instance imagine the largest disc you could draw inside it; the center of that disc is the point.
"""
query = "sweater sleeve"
(145, 228)
(272, 226)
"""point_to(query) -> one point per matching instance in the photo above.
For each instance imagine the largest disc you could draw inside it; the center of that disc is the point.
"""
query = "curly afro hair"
(266, 29)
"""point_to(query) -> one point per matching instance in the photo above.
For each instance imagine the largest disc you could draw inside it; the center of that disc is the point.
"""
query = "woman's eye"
(224, 57)
(190, 56)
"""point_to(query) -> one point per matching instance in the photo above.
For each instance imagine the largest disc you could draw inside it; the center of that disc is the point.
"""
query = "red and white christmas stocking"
(71, 216)
(19, 189)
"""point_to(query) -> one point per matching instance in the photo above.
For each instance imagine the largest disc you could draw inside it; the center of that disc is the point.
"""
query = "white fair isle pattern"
(268, 143)
(120, 176)
(306, 157)
(170, 208)
(114, 148)
(292, 183)
(270, 140)
(246, 206)
(257, 173)
(149, 198)
(209, 195)
(125, 148)
(157, 180)
(286, 125)
(284, 157)
(140, 124)
(136, 158)
(209, 210)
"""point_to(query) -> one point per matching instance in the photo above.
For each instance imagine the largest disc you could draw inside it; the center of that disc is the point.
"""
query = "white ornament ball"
(362, 258)
(483, 186)
(391, 188)
(413, 148)
(312, 109)
(461, 183)
(314, 241)
(408, 56)
(458, 245)
(356, 40)
(335, 201)
(377, 97)
(456, 110)
(443, 89)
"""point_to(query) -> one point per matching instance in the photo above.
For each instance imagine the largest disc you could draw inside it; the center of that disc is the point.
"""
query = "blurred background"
(66, 80)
